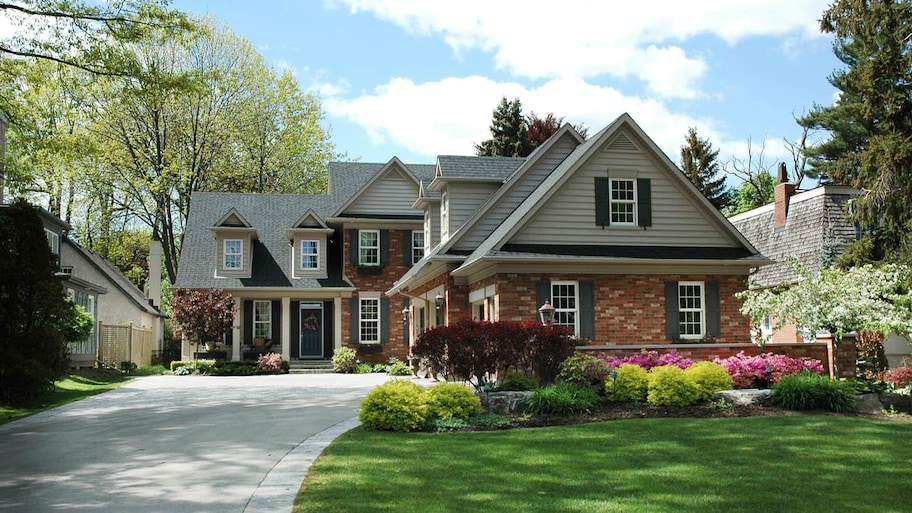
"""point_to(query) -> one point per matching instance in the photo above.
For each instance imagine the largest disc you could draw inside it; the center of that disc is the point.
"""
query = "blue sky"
(415, 79)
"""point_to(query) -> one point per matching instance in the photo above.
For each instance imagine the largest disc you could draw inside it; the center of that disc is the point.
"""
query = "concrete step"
(310, 366)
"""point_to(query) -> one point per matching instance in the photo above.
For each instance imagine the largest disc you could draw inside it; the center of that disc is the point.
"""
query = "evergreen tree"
(869, 146)
(698, 161)
(509, 132)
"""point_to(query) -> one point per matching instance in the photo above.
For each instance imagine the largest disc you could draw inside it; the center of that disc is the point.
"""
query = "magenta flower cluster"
(650, 359)
(764, 370)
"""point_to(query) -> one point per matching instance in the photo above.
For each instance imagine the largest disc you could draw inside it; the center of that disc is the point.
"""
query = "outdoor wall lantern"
(405, 315)
(546, 312)
(439, 301)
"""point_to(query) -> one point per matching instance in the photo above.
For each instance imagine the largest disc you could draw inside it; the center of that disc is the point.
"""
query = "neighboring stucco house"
(100, 288)
(808, 227)
(608, 230)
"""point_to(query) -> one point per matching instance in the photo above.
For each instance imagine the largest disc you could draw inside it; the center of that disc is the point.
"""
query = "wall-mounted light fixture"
(440, 302)
(405, 315)
(546, 312)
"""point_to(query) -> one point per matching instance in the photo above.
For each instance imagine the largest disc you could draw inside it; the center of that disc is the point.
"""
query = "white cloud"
(451, 115)
(589, 38)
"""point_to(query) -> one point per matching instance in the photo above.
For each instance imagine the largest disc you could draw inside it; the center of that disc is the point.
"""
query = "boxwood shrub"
(669, 386)
(449, 400)
(710, 378)
(628, 383)
(394, 406)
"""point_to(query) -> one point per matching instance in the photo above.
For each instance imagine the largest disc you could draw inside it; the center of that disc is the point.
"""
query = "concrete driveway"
(178, 443)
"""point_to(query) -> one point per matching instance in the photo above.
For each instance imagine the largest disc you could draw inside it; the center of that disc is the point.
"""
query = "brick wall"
(379, 282)
(630, 309)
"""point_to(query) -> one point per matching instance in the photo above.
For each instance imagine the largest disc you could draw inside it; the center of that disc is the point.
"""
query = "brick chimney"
(783, 192)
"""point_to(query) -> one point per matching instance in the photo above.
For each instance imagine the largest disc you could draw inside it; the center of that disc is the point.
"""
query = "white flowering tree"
(875, 298)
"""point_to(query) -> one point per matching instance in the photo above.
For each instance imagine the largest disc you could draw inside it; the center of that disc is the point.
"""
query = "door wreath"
(311, 322)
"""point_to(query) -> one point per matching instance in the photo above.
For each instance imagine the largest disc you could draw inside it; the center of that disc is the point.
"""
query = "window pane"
(690, 309)
(262, 319)
(370, 320)
(310, 250)
(369, 249)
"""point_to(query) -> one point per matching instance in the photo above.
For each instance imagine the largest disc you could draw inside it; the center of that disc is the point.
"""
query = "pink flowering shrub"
(763, 370)
(900, 376)
(650, 359)
(270, 362)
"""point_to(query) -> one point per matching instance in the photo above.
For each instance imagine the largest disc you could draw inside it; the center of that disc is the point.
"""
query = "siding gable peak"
(232, 219)
(393, 177)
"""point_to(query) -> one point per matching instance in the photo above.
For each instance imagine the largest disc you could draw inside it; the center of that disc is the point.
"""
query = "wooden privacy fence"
(124, 343)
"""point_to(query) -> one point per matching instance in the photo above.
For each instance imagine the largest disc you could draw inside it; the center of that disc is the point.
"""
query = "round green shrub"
(563, 398)
(669, 386)
(584, 369)
(399, 368)
(710, 378)
(449, 400)
(810, 391)
(516, 381)
(344, 360)
(394, 406)
(628, 383)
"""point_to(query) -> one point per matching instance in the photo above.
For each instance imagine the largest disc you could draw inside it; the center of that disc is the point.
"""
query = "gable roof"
(115, 278)
(816, 219)
(393, 164)
(500, 237)
(473, 168)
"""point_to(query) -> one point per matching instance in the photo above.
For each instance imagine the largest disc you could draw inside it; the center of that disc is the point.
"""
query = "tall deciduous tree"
(869, 124)
(700, 165)
(509, 132)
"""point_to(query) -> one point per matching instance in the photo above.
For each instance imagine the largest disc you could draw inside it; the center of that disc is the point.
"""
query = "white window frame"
(368, 324)
(444, 216)
(625, 202)
(53, 239)
(700, 310)
(315, 254)
(262, 322)
(558, 301)
(364, 250)
(417, 249)
(239, 254)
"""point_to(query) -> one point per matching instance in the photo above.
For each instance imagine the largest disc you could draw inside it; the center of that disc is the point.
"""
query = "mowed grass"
(751, 464)
(71, 388)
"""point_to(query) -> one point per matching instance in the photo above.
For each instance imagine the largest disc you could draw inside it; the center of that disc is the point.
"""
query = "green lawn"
(751, 464)
(71, 388)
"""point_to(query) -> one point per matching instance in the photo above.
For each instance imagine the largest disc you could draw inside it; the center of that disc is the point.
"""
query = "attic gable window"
(233, 251)
(623, 201)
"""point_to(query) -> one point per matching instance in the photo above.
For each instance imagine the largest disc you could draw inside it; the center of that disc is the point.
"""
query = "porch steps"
(310, 367)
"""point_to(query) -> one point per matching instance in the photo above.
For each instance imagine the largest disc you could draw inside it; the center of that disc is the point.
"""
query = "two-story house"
(607, 230)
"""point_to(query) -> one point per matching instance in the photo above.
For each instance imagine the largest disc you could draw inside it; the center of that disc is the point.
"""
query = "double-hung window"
(369, 320)
(233, 250)
(622, 196)
(417, 246)
(262, 319)
(369, 247)
(310, 255)
(565, 300)
(53, 241)
(691, 309)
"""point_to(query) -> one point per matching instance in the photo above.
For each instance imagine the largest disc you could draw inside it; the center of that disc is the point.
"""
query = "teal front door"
(311, 330)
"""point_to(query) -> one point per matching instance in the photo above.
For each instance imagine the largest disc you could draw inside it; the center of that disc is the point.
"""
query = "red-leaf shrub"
(202, 315)
(431, 347)
(900, 376)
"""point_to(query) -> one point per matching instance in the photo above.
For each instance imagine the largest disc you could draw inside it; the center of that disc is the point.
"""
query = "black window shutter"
(384, 247)
(353, 246)
(248, 322)
(276, 321)
(602, 207)
(644, 202)
(384, 320)
(354, 323)
(671, 310)
(713, 309)
(295, 317)
(407, 248)
(587, 309)
(542, 293)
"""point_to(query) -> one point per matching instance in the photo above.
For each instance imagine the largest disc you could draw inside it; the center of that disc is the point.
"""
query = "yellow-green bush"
(628, 383)
(394, 406)
(449, 400)
(709, 378)
(669, 386)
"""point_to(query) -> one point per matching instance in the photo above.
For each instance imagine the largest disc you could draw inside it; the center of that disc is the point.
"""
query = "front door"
(311, 330)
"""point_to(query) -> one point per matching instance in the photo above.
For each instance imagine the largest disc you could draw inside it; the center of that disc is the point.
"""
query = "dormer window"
(234, 249)
(310, 255)
(369, 247)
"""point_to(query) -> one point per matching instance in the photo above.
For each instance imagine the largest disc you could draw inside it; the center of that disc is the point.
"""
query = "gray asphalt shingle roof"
(455, 166)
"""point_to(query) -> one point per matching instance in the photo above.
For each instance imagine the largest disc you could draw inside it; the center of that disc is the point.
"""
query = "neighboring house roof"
(460, 166)
(272, 215)
(115, 278)
(816, 218)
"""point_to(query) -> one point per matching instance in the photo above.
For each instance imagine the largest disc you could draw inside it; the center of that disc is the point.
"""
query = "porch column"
(236, 330)
(337, 322)
(286, 328)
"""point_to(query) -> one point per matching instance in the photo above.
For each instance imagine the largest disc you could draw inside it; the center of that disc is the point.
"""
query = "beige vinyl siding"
(320, 272)
(391, 194)
(465, 198)
(517, 193)
(569, 216)
(433, 209)
(246, 256)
